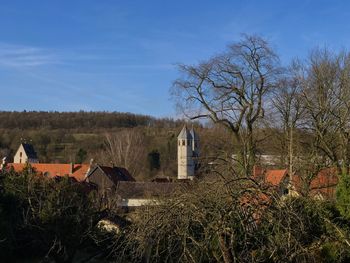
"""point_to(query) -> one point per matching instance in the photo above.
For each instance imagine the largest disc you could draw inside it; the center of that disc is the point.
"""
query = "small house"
(106, 178)
(25, 153)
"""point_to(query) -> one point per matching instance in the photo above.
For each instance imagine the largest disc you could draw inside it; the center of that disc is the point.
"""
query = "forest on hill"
(149, 143)
(78, 137)
(81, 120)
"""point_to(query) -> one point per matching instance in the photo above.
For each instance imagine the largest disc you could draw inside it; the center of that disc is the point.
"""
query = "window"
(20, 160)
(179, 143)
(20, 154)
(183, 142)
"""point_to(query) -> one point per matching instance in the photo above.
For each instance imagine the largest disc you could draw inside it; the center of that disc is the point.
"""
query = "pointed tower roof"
(194, 134)
(185, 134)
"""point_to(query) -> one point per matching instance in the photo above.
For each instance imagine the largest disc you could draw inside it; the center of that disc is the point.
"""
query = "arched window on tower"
(183, 142)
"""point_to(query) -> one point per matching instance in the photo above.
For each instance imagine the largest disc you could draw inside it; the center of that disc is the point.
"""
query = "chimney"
(71, 170)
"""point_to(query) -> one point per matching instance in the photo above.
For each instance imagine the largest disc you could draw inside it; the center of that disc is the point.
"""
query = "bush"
(44, 217)
(216, 223)
(343, 195)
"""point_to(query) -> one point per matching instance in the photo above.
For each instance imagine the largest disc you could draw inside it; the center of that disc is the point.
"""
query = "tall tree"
(230, 89)
(288, 106)
(326, 95)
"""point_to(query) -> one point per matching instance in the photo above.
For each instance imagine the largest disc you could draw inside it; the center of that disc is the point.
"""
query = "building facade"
(187, 153)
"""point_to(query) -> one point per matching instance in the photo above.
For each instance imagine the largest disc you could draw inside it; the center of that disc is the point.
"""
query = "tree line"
(81, 120)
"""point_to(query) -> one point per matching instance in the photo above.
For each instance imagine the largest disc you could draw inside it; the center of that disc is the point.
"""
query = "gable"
(21, 150)
(98, 177)
(25, 153)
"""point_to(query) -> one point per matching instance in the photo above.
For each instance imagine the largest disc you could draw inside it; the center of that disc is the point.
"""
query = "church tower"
(195, 148)
(186, 149)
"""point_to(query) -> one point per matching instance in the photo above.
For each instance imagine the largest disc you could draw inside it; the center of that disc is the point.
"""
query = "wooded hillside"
(81, 120)
(79, 136)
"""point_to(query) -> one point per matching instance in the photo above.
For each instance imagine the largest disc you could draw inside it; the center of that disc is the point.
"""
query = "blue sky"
(122, 55)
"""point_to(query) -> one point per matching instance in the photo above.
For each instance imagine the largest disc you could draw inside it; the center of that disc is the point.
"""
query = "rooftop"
(185, 134)
(29, 149)
(51, 170)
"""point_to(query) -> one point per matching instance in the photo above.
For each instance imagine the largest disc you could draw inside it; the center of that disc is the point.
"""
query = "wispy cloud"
(26, 56)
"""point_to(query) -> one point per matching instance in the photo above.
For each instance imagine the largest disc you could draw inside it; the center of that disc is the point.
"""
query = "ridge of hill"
(79, 120)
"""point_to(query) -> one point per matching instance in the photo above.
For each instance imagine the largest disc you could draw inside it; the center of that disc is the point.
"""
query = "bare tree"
(288, 106)
(126, 148)
(326, 94)
(230, 89)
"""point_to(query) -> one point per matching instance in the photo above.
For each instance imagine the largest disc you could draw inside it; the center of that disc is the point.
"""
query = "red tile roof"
(275, 177)
(52, 170)
(325, 183)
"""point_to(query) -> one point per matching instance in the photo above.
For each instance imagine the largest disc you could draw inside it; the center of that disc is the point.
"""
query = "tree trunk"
(225, 248)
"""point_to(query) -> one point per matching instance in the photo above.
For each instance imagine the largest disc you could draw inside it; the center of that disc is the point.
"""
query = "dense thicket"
(52, 219)
(217, 222)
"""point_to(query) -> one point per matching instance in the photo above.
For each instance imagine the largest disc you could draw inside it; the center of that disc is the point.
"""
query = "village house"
(107, 178)
(322, 186)
(25, 154)
(53, 170)
(279, 179)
